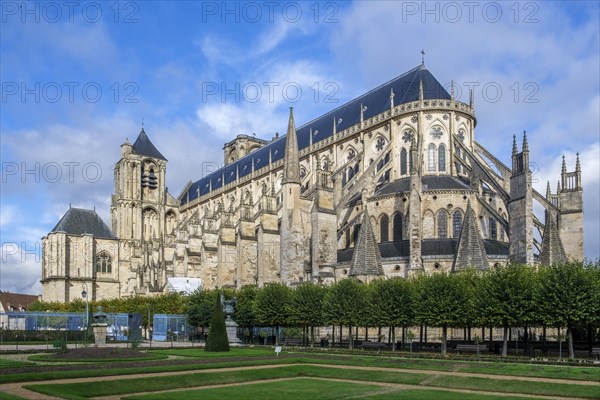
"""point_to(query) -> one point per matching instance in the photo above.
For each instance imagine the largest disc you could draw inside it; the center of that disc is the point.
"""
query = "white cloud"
(20, 270)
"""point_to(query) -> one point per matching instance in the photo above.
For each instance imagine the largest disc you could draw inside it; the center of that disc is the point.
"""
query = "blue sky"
(78, 80)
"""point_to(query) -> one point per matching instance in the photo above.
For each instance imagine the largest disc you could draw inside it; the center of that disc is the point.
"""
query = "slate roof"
(78, 221)
(144, 147)
(376, 101)
(471, 250)
(429, 247)
(430, 182)
(366, 258)
(552, 251)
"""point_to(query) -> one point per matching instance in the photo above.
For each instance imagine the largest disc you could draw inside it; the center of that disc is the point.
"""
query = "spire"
(422, 58)
(471, 98)
(291, 169)
(452, 90)
(558, 186)
(366, 259)
(143, 146)
(470, 251)
(548, 191)
(525, 144)
(577, 164)
(564, 165)
(514, 149)
(552, 251)
(421, 90)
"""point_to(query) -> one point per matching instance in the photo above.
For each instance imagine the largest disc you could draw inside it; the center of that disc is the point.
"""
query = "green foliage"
(442, 300)
(217, 334)
(568, 294)
(244, 308)
(271, 305)
(391, 302)
(507, 296)
(346, 303)
(200, 307)
(306, 305)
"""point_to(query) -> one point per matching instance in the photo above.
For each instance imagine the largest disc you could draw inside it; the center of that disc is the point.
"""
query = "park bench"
(373, 345)
(471, 347)
(596, 352)
(293, 342)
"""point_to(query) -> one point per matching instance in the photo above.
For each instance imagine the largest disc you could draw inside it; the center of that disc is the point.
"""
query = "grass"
(296, 389)
(6, 396)
(199, 352)
(131, 386)
(308, 388)
(48, 358)
(8, 363)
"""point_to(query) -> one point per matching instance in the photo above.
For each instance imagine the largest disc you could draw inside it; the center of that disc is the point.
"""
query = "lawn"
(149, 384)
(8, 363)
(200, 353)
(306, 388)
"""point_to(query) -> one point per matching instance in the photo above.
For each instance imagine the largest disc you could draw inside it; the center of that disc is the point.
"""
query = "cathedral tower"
(520, 206)
(570, 220)
(293, 251)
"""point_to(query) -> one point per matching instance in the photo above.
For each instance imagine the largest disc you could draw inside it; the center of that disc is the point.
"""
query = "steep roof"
(552, 251)
(78, 221)
(430, 182)
(16, 301)
(366, 259)
(471, 250)
(405, 88)
(144, 147)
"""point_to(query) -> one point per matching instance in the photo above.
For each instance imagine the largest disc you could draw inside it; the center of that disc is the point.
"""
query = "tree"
(217, 333)
(345, 304)
(200, 307)
(271, 306)
(391, 304)
(244, 308)
(306, 307)
(567, 297)
(442, 302)
(506, 298)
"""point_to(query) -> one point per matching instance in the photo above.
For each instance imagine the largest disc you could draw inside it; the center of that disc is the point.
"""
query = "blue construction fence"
(167, 327)
(121, 326)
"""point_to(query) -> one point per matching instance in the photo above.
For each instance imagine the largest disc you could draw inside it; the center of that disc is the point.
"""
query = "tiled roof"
(16, 301)
(376, 101)
(78, 221)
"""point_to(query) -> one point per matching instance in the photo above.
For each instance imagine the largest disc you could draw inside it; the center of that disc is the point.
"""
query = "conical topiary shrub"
(217, 333)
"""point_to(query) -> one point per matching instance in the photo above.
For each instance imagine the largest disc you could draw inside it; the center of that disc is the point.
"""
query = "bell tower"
(138, 211)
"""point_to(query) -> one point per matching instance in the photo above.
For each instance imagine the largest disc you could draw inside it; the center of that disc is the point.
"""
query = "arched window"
(397, 227)
(103, 263)
(403, 162)
(493, 229)
(442, 224)
(456, 223)
(431, 157)
(442, 158)
(458, 166)
(384, 224)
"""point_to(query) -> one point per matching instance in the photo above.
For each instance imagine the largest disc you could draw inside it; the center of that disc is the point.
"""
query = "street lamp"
(84, 295)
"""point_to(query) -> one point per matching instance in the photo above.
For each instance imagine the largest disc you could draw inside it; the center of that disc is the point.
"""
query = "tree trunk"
(570, 338)
(341, 336)
(464, 334)
(483, 334)
(350, 338)
(393, 338)
(491, 334)
(505, 341)
(276, 337)
(444, 337)
(403, 336)
(425, 333)
(312, 336)
(525, 340)
(469, 333)
(421, 333)
(366, 333)
(333, 335)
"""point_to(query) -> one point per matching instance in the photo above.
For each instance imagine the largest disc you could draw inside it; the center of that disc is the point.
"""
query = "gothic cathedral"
(392, 183)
